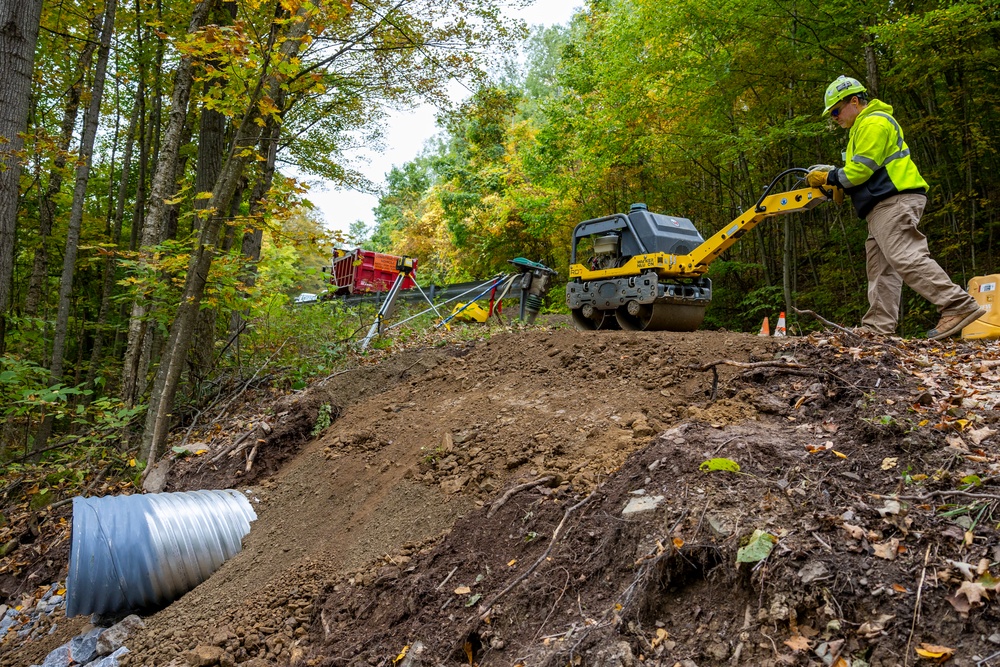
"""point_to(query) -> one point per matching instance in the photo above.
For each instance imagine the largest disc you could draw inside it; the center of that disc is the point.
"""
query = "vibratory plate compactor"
(646, 271)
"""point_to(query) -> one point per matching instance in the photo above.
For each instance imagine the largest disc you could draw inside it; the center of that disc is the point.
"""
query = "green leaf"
(972, 480)
(473, 599)
(757, 549)
(720, 464)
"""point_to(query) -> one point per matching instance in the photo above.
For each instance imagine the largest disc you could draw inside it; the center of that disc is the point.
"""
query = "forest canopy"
(152, 155)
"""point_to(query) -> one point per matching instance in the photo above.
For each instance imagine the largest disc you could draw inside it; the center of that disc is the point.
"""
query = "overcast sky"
(405, 134)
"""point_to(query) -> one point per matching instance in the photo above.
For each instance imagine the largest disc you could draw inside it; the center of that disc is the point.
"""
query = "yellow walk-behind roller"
(646, 271)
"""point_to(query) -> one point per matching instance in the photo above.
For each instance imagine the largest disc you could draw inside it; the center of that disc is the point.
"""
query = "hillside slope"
(466, 506)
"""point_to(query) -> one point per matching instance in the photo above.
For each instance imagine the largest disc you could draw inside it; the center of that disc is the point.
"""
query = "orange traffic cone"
(765, 329)
(780, 329)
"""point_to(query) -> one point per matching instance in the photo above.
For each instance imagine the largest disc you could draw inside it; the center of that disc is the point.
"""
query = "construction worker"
(888, 191)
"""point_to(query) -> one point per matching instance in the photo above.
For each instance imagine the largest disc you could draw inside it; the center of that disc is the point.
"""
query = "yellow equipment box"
(473, 313)
(985, 290)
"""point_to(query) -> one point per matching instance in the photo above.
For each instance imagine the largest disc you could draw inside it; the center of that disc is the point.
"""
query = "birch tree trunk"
(182, 329)
(162, 188)
(19, 21)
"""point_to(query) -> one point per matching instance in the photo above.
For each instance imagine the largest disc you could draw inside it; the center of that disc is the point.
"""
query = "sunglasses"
(836, 110)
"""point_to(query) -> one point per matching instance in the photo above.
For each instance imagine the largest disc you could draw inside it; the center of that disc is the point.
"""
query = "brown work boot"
(949, 325)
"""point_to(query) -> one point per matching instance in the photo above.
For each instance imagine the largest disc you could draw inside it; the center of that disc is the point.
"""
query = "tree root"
(740, 364)
(521, 577)
(510, 492)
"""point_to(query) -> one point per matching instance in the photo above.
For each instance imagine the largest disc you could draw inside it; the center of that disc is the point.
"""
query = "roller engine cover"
(659, 233)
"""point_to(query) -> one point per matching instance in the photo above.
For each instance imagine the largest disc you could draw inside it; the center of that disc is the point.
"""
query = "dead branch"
(963, 494)
(916, 606)
(251, 457)
(555, 537)
(825, 322)
(236, 443)
(510, 492)
(333, 375)
(747, 364)
(249, 382)
(739, 364)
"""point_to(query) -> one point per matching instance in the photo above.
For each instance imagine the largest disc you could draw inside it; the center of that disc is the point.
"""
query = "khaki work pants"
(896, 252)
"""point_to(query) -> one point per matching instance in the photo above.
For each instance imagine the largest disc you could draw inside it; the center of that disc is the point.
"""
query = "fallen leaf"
(932, 652)
(889, 462)
(678, 542)
(968, 596)
(956, 442)
(875, 627)
(797, 643)
(977, 435)
(757, 548)
(512, 562)
(727, 465)
(889, 507)
(856, 532)
(463, 590)
(839, 455)
(888, 549)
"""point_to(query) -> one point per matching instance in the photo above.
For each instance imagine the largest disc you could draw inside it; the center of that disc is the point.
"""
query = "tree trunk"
(47, 205)
(19, 20)
(253, 237)
(164, 181)
(90, 123)
(107, 284)
(181, 330)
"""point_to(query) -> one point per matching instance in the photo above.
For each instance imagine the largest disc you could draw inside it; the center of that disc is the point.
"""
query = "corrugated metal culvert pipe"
(130, 552)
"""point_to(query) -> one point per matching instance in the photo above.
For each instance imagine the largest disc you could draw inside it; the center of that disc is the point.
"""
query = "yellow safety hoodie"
(878, 164)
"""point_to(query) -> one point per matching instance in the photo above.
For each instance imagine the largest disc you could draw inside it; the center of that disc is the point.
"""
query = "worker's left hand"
(817, 177)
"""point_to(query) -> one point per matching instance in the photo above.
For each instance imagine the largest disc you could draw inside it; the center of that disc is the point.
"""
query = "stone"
(110, 660)
(717, 525)
(59, 657)
(812, 571)
(83, 648)
(642, 504)
(413, 657)
(453, 484)
(717, 651)
(113, 638)
(156, 478)
(255, 662)
(204, 655)
(618, 654)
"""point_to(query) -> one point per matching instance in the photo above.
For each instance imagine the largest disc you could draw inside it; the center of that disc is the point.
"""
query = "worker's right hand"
(817, 177)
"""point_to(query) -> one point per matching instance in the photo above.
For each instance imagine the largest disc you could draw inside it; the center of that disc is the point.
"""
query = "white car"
(306, 297)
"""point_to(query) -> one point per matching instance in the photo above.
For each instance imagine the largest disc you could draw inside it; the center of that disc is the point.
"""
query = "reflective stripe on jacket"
(878, 160)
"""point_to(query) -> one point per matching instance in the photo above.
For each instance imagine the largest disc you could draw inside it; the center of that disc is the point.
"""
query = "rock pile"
(34, 617)
(98, 647)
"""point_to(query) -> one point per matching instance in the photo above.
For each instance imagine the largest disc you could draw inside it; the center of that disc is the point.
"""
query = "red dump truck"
(363, 272)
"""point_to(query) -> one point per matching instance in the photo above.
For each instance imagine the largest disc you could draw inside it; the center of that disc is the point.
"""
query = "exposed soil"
(389, 538)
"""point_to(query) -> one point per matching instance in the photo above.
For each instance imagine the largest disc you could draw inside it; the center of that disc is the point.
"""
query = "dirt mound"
(466, 506)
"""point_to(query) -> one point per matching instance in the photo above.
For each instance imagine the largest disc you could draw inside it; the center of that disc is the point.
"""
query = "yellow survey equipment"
(985, 290)
(646, 271)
